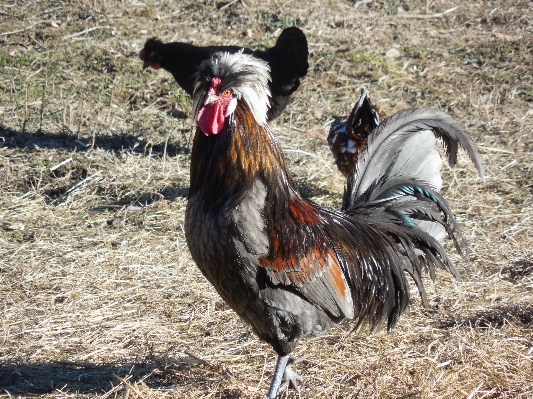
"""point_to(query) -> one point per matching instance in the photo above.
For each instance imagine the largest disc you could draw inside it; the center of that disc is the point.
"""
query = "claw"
(284, 376)
(290, 379)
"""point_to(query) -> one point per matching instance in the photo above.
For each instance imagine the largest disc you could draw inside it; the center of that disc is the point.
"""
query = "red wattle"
(211, 118)
(155, 65)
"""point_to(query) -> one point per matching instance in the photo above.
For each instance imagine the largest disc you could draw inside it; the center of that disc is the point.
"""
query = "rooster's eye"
(226, 93)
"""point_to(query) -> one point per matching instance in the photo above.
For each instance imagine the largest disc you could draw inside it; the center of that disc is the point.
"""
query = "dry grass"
(99, 295)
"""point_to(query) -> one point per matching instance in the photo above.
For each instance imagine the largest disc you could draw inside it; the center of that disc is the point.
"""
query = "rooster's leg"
(279, 373)
(290, 378)
(284, 376)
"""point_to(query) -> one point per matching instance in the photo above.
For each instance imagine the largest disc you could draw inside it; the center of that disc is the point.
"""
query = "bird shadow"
(91, 378)
(136, 202)
(116, 142)
(496, 318)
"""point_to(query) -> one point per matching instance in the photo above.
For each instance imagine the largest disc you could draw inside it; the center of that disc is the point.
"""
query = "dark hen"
(293, 269)
(287, 61)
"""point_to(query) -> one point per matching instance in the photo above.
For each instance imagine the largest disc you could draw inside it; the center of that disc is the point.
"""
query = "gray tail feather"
(396, 182)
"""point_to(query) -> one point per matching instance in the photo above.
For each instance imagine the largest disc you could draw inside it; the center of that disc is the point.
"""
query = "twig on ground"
(25, 111)
(42, 105)
(82, 143)
(165, 151)
(492, 149)
(38, 43)
(22, 30)
(33, 74)
(64, 162)
(227, 5)
(91, 147)
(81, 114)
(77, 186)
(109, 108)
(85, 31)
(438, 15)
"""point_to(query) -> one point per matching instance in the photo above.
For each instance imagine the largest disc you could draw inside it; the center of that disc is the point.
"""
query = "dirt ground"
(99, 296)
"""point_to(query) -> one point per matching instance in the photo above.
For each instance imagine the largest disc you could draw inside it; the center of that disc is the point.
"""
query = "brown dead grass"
(99, 295)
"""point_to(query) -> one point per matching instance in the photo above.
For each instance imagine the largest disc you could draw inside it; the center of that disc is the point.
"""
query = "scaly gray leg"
(284, 376)
(290, 377)
(279, 373)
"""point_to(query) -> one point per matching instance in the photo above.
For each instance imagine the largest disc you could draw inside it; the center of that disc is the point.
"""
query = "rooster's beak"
(210, 99)
(146, 64)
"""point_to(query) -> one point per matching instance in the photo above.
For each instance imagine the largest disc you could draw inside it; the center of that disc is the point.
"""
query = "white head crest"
(245, 75)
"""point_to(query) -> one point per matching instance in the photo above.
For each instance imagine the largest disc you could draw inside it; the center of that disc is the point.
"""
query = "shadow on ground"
(88, 378)
(496, 318)
(68, 141)
(134, 203)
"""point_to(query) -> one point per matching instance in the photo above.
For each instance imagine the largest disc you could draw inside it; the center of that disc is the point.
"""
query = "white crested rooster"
(293, 269)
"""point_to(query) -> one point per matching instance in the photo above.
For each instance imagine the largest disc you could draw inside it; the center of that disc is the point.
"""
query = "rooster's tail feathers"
(404, 146)
(395, 188)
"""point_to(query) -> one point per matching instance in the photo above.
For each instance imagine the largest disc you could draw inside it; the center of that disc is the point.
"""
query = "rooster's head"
(151, 54)
(222, 82)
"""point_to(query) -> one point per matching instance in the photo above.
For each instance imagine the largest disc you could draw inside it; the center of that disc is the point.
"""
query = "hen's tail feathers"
(396, 182)
(347, 136)
(364, 117)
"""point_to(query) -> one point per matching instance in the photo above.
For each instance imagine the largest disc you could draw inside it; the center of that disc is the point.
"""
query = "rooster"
(287, 60)
(293, 269)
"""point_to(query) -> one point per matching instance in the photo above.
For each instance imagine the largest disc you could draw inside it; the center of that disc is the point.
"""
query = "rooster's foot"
(290, 378)
(284, 375)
